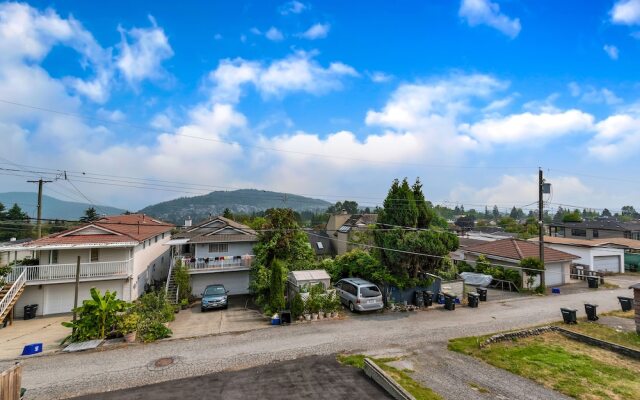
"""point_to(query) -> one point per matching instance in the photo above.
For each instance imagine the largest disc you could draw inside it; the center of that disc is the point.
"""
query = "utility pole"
(541, 223)
(40, 182)
(75, 298)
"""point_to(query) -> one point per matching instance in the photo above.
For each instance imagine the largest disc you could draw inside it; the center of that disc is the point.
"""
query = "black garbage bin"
(427, 298)
(569, 315)
(626, 303)
(483, 293)
(592, 281)
(449, 302)
(34, 310)
(285, 317)
(473, 299)
(592, 314)
(418, 298)
(27, 312)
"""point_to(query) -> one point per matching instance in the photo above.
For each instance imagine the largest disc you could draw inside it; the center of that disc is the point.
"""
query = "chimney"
(187, 222)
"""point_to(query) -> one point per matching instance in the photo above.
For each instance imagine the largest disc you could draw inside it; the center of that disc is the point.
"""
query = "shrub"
(128, 322)
(154, 311)
(152, 330)
(297, 306)
(183, 280)
(276, 289)
(96, 317)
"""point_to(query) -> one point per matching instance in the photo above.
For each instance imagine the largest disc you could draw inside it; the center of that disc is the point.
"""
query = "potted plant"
(128, 326)
(335, 304)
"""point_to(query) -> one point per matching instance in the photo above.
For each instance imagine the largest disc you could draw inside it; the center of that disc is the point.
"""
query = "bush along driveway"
(557, 362)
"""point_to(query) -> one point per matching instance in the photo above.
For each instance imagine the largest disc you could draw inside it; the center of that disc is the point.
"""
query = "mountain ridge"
(52, 207)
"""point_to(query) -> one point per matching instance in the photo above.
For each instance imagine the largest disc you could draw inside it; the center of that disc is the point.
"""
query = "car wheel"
(226, 306)
(202, 309)
(351, 307)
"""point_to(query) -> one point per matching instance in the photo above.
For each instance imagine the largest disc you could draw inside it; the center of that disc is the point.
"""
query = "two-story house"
(599, 229)
(216, 251)
(346, 230)
(121, 253)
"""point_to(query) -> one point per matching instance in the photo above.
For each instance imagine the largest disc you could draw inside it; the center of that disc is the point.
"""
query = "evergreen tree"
(606, 213)
(15, 213)
(276, 287)
(227, 213)
(90, 215)
(3, 213)
(425, 212)
(496, 213)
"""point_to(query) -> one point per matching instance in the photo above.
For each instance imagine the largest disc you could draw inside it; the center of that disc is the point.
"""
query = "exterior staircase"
(171, 290)
(9, 295)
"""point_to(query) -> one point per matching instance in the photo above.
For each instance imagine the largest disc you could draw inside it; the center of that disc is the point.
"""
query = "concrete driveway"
(237, 318)
(46, 330)
(305, 378)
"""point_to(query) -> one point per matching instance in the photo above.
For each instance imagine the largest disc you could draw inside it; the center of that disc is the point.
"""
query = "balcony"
(54, 273)
(213, 265)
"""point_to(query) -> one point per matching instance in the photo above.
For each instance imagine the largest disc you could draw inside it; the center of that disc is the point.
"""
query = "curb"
(376, 373)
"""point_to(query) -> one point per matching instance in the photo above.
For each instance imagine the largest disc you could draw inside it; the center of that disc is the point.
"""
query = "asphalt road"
(66, 375)
(315, 377)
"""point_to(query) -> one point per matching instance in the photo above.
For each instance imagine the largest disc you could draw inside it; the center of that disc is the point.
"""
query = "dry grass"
(619, 313)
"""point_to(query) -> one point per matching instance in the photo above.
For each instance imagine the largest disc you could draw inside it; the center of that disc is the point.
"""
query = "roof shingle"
(515, 249)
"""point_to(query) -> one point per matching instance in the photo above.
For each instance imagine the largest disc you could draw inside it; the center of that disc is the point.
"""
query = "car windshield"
(369, 291)
(213, 290)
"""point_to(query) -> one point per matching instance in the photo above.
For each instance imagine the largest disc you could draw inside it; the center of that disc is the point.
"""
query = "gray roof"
(315, 237)
(202, 233)
(358, 221)
(605, 224)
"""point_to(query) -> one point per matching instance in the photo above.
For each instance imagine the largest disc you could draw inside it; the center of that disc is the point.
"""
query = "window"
(320, 246)
(54, 256)
(578, 232)
(156, 240)
(218, 247)
(595, 233)
(144, 244)
(95, 255)
(163, 235)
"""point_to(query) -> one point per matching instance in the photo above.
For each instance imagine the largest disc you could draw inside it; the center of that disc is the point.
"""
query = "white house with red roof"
(122, 253)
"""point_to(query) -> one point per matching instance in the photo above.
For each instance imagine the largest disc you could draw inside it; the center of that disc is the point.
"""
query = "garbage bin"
(427, 298)
(27, 312)
(569, 315)
(473, 299)
(449, 301)
(483, 293)
(34, 310)
(418, 298)
(626, 303)
(592, 281)
(285, 317)
(591, 311)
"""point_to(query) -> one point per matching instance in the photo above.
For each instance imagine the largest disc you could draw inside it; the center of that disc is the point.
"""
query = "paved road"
(67, 375)
(315, 377)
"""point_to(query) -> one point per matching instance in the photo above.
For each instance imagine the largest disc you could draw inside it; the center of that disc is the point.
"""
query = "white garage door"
(606, 263)
(59, 298)
(236, 282)
(553, 275)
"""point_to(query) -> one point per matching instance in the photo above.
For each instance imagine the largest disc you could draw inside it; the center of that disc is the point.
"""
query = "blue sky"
(326, 98)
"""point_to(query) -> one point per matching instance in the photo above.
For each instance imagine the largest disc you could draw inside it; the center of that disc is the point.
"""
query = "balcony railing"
(57, 272)
(202, 264)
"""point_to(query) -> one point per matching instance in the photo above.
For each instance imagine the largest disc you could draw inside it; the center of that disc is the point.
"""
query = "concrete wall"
(235, 249)
(237, 282)
(31, 295)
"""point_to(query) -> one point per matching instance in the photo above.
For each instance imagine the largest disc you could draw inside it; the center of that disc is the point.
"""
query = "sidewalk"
(46, 330)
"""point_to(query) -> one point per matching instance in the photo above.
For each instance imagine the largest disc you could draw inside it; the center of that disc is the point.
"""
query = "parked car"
(359, 295)
(214, 296)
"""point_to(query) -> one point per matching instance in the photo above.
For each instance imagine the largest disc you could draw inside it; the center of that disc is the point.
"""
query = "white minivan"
(359, 295)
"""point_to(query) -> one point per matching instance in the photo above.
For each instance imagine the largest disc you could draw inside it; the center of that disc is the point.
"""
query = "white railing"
(212, 264)
(8, 298)
(166, 286)
(53, 272)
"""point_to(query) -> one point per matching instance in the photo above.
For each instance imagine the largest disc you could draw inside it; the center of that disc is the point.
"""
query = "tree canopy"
(90, 215)
(351, 207)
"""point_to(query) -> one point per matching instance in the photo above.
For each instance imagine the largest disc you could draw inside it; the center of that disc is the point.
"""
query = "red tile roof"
(125, 228)
(515, 249)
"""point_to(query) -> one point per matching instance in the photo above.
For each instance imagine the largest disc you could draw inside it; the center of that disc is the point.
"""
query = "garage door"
(553, 275)
(606, 263)
(59, 298)
(236, 282)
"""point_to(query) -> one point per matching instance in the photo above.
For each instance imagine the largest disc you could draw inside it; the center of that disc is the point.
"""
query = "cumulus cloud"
(379, 76)
(486, 12)
(274, 34)
(316, 31)
(612, 51)
(626, 12)
(618, 137)
(142, 51)
(292, 7)
(299, 72)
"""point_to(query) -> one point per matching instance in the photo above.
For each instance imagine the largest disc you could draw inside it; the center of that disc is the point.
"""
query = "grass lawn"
(570, 367)
(619, 313)
(400, 376)
(628, 339)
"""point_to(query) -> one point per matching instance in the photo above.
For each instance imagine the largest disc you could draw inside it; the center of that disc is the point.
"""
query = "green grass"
(402, 377)
(619, 313)
(629, 339)
(570, 367)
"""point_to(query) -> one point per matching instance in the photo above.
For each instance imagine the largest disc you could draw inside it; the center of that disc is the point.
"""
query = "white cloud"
(316, 31)
(593, 95)
(612, 51)
(529, 128)
(255, 31)
(379, 77)
(618, 137)
(498, 104)
(626, 12)
(274, 34)
(485, 12)
(546, 105)
(298, 72)
(142, 58)
(111, 115)
(292, 7)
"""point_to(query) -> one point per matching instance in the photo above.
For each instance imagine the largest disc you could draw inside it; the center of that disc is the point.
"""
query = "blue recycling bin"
(33, 348)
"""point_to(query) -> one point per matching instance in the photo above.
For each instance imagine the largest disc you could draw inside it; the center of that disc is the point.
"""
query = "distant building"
(346, 230)
(599, 229)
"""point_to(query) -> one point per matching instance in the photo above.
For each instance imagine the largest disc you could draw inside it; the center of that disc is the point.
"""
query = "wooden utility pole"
(40, 182)
(541, 223)
(75, 298)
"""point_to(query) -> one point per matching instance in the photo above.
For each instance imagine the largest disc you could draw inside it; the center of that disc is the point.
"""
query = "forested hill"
(52, 208)
(244, 201)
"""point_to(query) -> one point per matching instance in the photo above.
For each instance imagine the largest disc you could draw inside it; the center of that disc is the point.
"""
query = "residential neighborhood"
(293, 199)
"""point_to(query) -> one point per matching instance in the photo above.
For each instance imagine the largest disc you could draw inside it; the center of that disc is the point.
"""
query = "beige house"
(123, 253)
(345, 230)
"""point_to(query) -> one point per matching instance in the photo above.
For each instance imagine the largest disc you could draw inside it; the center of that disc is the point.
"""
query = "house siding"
(150, 261)
(235, 249)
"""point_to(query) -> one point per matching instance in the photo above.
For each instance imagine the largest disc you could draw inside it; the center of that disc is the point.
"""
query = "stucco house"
(509, 253)
(216, 251)
(597, 255)
(344, 228)
(121, 253)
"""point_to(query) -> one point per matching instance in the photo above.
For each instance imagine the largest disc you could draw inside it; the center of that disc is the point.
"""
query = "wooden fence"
(10, 383)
